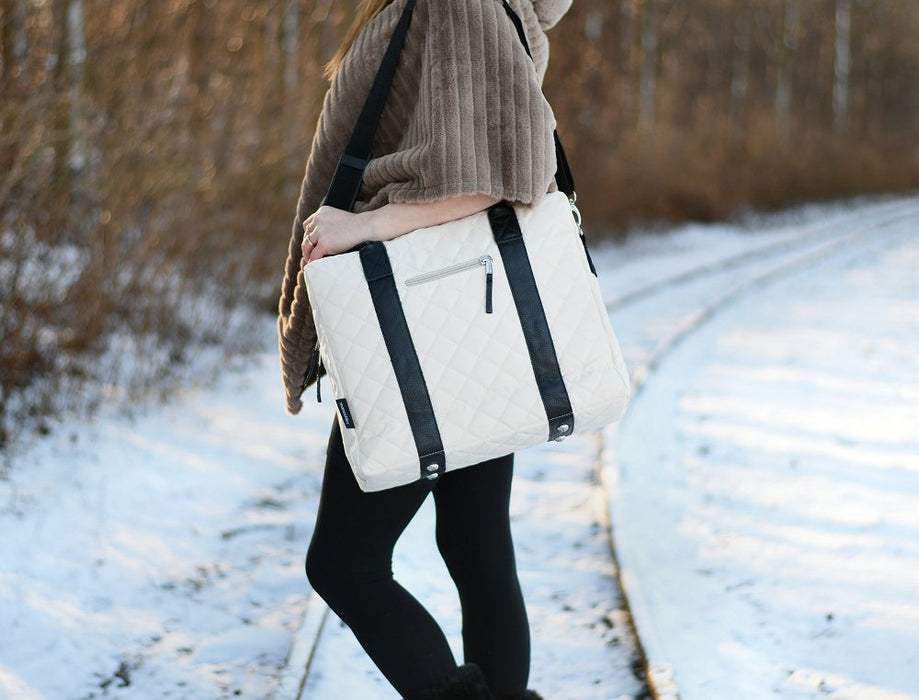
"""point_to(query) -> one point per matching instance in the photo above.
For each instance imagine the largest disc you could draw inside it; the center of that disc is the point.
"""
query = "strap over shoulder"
(346, 183)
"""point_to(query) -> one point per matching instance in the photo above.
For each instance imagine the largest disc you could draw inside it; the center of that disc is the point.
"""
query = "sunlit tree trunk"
(629, 60)
(740, 65)
(291, 32)
(13, 41)
(62, 122)
(841, 66)
(791, 17)
(76, 60)
(647, 90)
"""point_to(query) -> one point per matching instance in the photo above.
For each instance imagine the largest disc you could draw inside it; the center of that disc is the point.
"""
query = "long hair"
(367, 10)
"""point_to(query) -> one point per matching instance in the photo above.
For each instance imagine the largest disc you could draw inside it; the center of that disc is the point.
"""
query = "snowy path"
(161, 557)
(581, 642)
(770, 460)
(655, 299)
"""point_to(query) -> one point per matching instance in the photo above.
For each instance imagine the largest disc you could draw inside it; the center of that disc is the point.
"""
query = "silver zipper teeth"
(447, 271)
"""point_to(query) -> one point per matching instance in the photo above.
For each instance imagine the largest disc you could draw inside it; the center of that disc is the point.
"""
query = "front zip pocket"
(481, 261)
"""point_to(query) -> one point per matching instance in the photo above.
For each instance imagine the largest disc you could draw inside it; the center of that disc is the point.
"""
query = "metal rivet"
(560, 438)
(433, 467)
(431, 476)
(563, 428)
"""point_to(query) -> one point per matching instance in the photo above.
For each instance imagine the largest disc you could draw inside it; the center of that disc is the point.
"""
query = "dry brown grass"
(674, 175)
(146, 194)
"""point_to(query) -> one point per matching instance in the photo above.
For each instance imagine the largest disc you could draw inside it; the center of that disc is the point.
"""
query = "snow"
(763, 490)
(772, 461)
(166, 550)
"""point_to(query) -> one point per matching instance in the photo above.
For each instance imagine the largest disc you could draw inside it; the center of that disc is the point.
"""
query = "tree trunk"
(76, 64)
(291, 31)
(61, 121)
(841, 66)
(740, 65)
(647, 90)
(12, 52)
(274, 48)
(791, 17)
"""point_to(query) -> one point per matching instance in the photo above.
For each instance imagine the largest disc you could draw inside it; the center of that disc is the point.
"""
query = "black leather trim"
(402, 353)
(509, 237)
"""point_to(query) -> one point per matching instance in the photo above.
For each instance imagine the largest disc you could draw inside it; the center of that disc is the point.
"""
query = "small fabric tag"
(345, 413)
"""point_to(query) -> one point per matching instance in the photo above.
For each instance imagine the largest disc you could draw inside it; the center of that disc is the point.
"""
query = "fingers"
(312, 249)
(322, 234)
(310, 239)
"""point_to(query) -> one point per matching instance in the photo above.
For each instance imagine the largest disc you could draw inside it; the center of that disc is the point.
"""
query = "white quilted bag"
(490, 390)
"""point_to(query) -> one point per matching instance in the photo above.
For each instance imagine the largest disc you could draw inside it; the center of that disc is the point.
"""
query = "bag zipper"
(483, 261)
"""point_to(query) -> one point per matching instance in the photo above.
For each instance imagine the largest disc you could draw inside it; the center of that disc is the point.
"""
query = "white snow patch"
(770, 468)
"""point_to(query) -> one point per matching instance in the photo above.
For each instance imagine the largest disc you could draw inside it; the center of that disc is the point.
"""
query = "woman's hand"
(329, 231)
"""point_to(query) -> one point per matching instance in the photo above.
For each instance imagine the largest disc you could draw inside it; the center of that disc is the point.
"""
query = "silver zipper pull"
(489, 281)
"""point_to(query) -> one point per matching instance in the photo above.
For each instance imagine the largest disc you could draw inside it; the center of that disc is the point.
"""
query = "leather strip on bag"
(402, 353)
(349, 174)
(506, 230)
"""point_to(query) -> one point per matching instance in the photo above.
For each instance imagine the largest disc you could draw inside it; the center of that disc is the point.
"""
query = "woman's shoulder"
(452, 20)
(442, 11)
(485, 24)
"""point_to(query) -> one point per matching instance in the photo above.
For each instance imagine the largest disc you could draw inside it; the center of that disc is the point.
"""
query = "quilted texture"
(476, 365)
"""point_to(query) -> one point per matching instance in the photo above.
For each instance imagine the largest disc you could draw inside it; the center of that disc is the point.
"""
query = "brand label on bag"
(345, 413)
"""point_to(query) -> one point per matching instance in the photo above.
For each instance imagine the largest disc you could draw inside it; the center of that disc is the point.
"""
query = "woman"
(465, 126)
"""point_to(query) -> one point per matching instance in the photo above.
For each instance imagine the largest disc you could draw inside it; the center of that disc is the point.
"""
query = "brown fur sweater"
(466, 115)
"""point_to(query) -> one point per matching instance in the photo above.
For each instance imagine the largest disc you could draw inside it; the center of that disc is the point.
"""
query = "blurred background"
(151, 153)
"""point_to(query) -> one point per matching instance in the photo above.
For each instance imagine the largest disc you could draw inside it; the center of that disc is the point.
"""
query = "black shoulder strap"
(349, 175)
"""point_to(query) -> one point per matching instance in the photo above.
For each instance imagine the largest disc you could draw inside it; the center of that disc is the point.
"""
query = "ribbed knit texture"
(466, 115)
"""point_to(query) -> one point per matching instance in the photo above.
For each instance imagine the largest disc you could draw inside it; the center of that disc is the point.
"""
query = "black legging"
(349, 564)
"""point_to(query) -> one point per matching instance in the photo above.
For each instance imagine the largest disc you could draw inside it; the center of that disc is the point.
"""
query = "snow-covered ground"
(161, 556)
(767, 505)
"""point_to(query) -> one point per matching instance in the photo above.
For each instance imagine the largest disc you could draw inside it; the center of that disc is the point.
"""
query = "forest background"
(151, 153)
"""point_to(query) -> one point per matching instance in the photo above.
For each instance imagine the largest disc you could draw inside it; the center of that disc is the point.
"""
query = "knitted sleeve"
(480, 123)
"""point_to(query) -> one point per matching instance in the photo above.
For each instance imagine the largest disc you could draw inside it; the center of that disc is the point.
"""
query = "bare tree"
(170, 136)
(62, 120)
(740, 67)
(76, 60)
(841, 65)
(647, 91)
(791, 18)
(291, 24)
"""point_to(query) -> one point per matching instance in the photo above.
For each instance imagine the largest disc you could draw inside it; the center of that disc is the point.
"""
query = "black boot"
(466, 683)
